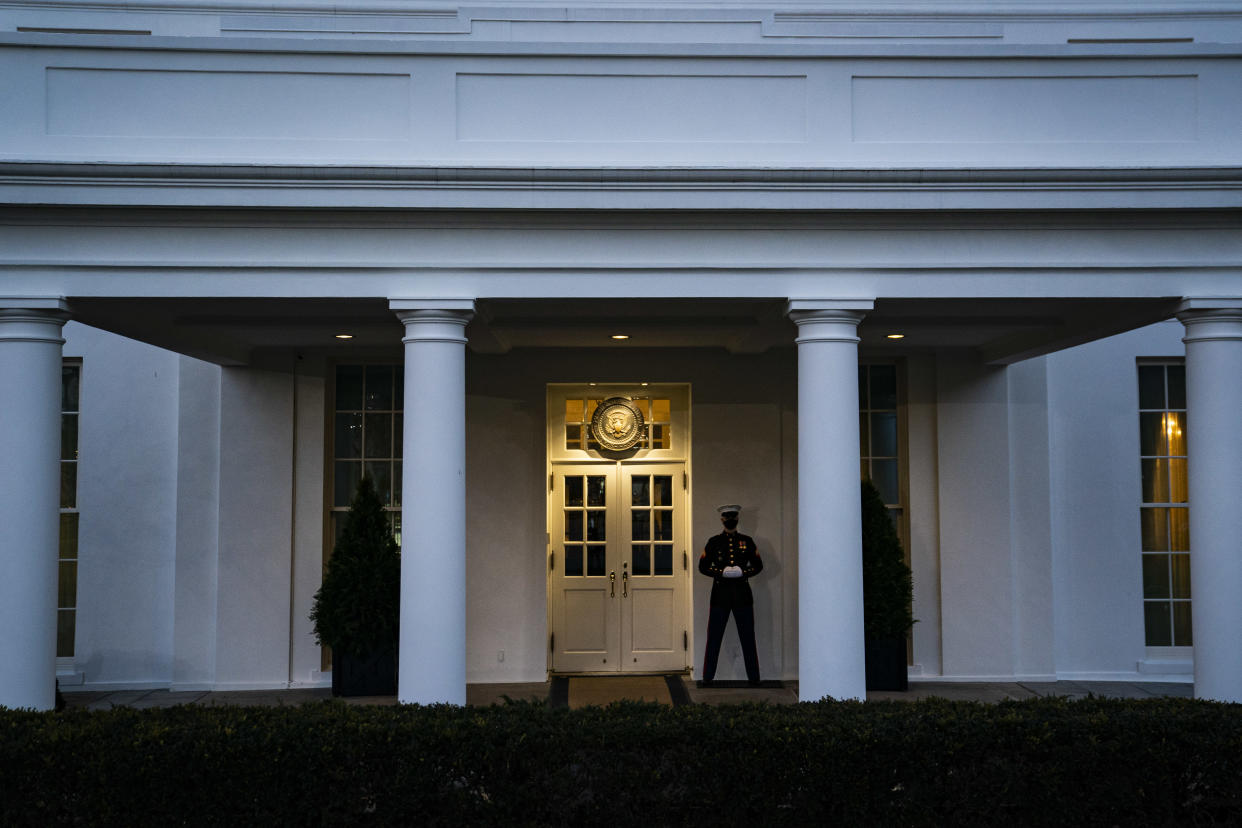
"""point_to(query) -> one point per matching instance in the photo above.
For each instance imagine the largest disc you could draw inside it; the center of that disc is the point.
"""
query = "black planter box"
(886, 664)
(373, 675)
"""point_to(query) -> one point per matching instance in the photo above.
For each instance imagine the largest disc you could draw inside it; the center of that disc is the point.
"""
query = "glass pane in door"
(640, 557)
(597, 559)
(595, 490)
(663, 559)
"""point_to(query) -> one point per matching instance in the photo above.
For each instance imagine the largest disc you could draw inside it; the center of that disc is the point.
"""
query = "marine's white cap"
(728, 507)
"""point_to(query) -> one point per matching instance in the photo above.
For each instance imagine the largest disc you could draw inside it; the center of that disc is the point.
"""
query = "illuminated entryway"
(618, 558)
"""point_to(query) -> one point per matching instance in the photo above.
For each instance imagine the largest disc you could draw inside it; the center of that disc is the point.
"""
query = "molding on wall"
(817, 9)
(332, 43)
(257, 185)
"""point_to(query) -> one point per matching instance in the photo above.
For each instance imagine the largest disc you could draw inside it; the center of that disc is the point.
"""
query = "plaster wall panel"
(976, 569)
(198, 524)
(677, 104)
(1031, 527)
(127, 501)
(1024, 110)
(924, 523)
(1096, 488)
(308, 510)
(506, 547)
(165, 103)
(256, 514)
(637, 107)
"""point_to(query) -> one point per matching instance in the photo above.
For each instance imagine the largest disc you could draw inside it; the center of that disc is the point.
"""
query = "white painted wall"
(528, 256)
(197, 520)
(309, 431)
(976, 567)
(923, 511)
(256, 529)
(1030, 521)
(127, 497)
(1096, 486)
(331, 101)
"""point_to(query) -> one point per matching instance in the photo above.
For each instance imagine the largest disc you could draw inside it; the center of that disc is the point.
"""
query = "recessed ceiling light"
(344, 336)
(896, 336)
(645, 384)
(620, 336)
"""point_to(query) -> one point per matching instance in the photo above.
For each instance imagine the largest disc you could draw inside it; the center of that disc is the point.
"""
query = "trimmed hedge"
(1039, 762)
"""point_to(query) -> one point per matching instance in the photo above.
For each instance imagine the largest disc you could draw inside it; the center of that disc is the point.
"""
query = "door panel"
(585, 623)
(618, 580)
(652, 621)
(653, 630)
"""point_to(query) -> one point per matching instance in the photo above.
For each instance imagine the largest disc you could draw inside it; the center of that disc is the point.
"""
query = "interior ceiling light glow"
(344, 336)
(620, 336)
(896, 336)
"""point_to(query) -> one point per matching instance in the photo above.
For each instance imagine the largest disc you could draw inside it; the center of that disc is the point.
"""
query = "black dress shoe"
(753, 682)
(707, 684)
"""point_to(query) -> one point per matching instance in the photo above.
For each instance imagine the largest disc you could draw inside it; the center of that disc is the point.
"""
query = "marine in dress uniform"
(731, 559)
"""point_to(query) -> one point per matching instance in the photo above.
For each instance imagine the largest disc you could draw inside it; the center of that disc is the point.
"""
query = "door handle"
(612, 584)
(625, 584)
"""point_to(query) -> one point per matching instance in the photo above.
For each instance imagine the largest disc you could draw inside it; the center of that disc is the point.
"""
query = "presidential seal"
(617, 424)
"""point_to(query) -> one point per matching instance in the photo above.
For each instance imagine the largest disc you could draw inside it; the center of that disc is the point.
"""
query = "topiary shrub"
(888, 589)
(357, 610)
(887, 594)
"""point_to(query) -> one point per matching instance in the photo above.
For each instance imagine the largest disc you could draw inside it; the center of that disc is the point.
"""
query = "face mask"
(730, 523)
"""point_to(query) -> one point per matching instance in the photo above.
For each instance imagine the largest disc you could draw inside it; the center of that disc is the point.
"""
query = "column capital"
(1211, 318)
(827, 320)
(433, 320)
(32, 318)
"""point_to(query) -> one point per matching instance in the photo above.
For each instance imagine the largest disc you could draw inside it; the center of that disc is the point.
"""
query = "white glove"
(732, 572)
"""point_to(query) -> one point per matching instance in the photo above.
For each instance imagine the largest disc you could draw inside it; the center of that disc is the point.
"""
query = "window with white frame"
(367, 425)
(1165, 508)
(878, 432)
(67, 584)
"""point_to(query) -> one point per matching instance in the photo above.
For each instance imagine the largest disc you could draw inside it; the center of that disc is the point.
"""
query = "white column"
(30, 357)
(1214, 436)
(831, 654)
(432, 654)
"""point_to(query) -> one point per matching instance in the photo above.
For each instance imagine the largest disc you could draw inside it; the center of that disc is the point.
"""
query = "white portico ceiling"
(275, 332)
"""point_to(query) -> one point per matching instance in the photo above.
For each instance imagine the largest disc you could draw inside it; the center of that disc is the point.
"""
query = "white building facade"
(988, 255)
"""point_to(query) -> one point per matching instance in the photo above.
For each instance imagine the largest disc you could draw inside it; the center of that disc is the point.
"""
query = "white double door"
(618, 567)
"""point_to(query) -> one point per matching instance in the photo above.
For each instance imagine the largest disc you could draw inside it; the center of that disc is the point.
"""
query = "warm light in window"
(1171, 426)
(620, 336)
(896, 336)
(344, 336)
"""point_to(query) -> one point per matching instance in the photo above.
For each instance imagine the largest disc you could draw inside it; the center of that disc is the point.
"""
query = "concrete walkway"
(485, 694)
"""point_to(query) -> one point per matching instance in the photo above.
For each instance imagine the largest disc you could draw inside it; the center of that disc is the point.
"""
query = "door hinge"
(685, 640)
(551, 561)
(552, 482)
(685, 560)
(552, 642)
(685, 480)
